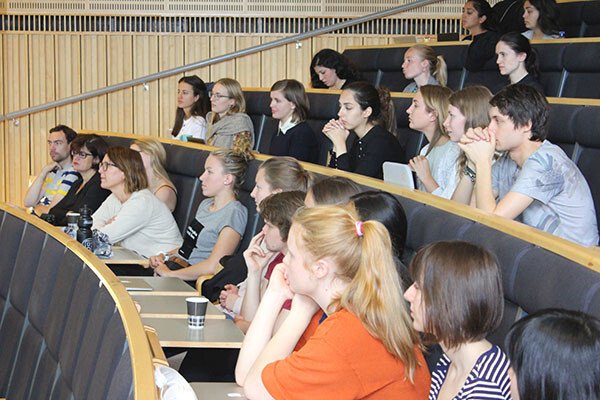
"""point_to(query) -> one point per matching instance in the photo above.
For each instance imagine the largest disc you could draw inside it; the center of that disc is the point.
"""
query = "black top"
(529, 80)
(367, 155)
(299, 142)
(482, 49)
(91, 194)
(508, 15)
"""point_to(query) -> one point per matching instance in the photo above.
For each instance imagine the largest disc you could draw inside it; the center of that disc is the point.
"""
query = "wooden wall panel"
(4, 161)
(170, 55)
(375, 40)
(197, 48)
(347, 41)
(274, 66)
(323, 42)
(248, 69)
(219, 45)
(41, 90)
(145, 98)
(120, 68)
(16, 150)
(93, 76)
(68, 78)
(298, 61)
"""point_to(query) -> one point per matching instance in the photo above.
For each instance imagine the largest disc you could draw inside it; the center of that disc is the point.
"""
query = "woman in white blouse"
(192, 106)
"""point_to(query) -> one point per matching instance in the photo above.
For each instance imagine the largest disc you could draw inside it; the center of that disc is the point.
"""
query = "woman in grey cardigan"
(227, 119)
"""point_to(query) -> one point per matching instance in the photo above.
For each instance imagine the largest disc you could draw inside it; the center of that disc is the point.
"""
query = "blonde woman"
(424, 67)
(227, 120)
(340, 272)
(154, 157)
(435, 165)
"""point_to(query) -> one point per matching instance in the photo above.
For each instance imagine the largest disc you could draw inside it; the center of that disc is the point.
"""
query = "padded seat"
(365, 61)
(570, 18)
(591, 18)
(550, 60)
(390, 62)
(561, 129)
(582, 64)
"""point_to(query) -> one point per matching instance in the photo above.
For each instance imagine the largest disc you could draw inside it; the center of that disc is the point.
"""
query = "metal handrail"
(225, 57)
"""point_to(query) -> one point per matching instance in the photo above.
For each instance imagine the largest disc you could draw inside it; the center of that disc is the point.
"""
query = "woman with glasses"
(86, 151)
(132, 216)
(192, 106)
(154, 157)
(227, 120)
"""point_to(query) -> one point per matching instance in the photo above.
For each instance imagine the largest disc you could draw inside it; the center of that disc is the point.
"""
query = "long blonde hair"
(366, 262)
(158, 157)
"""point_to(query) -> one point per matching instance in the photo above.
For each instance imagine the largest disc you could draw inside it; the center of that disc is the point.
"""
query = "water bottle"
(85, 222)
(72, 220)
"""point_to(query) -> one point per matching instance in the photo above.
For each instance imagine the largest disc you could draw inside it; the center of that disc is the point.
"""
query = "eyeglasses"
(219, 96)
(80, 154)
(105, 164)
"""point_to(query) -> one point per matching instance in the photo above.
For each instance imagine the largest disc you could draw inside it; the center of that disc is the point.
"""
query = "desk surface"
(217, 333)
(217, 390)
(121, 255)
(162, 286)
(170, 307)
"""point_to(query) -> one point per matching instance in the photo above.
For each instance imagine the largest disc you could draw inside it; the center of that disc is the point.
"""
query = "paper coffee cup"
(196, 308)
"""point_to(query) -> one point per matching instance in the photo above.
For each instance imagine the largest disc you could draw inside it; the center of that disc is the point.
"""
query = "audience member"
(266, 251)
(220, 220)
(332, 190)
(56, 178)
(365, 111)
(508, 16)
(132, 216)
(477, 19)
(457, 300)
(435, 165)
(332, 70)
(518, 60)
(294, 137)
(535, 180)
(227, 121)
(192, 107)
(365, 345)
(87, 151)
(154, 157)
(554, 356)
(424, 67)
(541, 19)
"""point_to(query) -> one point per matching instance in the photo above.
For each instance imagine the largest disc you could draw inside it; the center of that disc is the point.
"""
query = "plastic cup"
(196, 308)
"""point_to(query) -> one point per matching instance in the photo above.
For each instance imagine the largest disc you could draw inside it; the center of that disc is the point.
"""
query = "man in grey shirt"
(534, 181)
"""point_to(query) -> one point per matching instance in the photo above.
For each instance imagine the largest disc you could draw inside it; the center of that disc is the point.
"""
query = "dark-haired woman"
(541, 19)
(477, 19)
(87, 151)
(294, 137)
(554, 355)
(457, 300)
(331, 70)
(518, 60)
(132, 215)
(368, 112)
(192, 106)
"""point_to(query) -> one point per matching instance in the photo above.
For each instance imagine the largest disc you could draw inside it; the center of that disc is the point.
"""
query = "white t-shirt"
(194, 126)
(443, 166)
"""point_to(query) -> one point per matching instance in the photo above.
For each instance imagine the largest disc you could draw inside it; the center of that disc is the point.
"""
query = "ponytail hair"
(380, 101)
(363, 256)
(520, 44)
(437, 64)
(286, 174)
(235, 160)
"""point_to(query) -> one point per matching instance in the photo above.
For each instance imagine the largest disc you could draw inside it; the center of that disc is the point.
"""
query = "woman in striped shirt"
(457, 300)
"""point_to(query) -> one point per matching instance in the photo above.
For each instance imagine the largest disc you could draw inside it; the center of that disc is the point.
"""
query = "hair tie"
(358, 226)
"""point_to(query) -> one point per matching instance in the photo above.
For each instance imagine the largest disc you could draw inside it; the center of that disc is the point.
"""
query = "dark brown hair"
(279, 208)
(461, 291)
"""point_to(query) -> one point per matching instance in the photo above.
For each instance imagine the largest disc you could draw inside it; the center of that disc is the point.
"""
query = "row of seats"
(61, 334)
(580, 18)
(566, 283)
(567, 69)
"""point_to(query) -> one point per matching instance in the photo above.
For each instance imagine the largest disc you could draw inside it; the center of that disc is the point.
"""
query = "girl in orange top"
(365, 348)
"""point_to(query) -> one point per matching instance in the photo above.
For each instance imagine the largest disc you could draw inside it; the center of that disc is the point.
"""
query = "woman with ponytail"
(341, 270)
(220, 221)
(518, 60)
(424, 67)
(368, 112)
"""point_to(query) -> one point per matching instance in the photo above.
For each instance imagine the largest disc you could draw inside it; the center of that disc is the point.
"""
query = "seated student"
(508, 15)
(56, 178)
(220, 220)
(477, 19)
(227, 121)
(275, 175)
(132, 216)
(365, 111)
(457, 300)
(154, 157)
(364, 348)
(266, 250)
(332, 190)
(554, 356)
(518, 60)
(541, 19)
(87, 152)
(435, 165)
(332, 70)
(535, 179)
(192, 106)
(424, 67)
(294, 137)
